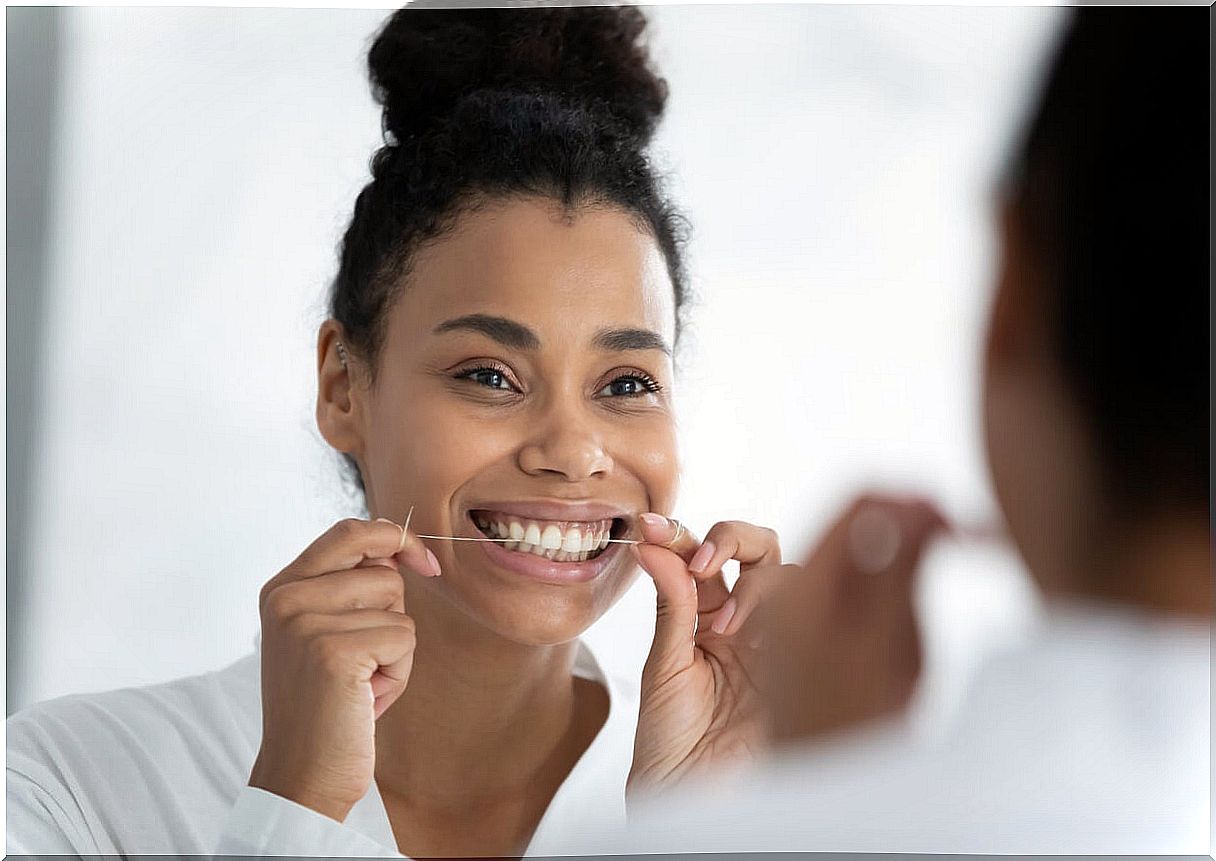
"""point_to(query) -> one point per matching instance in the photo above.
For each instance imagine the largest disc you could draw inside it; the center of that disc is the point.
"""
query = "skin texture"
(473, 719)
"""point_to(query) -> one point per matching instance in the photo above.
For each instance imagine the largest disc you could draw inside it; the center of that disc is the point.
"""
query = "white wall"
(836, 162)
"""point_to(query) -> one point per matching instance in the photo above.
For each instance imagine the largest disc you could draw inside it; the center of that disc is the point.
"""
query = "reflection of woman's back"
(503, 317)
(1093, 734)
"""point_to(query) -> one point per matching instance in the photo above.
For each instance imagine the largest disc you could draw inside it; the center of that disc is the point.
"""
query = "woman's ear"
(339, 394)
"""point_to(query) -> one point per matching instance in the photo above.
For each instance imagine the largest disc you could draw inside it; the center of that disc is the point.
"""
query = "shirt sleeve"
(262, 823)
(42, 818)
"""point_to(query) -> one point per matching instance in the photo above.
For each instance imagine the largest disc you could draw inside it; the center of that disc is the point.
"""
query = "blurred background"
(178, 180)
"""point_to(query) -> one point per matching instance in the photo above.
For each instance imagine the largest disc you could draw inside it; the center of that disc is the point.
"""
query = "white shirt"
(1093, 737)
(164, 769)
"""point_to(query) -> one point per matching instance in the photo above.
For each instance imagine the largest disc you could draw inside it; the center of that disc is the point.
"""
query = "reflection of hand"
(337, 649)
(842, 643)
(699, 706)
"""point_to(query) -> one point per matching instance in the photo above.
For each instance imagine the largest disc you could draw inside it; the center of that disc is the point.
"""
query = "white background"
(837, 163)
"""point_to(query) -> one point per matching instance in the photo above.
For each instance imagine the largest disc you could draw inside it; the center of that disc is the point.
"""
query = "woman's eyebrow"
(505, 331)
(630, 339)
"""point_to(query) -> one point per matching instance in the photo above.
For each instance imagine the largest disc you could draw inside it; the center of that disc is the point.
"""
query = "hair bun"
(425, 60)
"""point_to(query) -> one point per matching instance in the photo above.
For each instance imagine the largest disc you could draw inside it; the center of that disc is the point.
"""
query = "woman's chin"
(539, 611)
(539, 614)
(534, 620)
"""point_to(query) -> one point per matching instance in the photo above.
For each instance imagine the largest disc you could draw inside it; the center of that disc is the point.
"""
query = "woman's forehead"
(557, 271)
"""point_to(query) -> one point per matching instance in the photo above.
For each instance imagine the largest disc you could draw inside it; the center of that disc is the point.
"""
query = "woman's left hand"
(700, 708)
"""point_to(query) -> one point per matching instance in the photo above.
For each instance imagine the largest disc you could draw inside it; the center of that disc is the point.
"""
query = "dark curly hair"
(482, 104)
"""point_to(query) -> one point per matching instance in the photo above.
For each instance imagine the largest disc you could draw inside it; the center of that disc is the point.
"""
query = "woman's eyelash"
(471, 374)
(651, 384)
(648, 383)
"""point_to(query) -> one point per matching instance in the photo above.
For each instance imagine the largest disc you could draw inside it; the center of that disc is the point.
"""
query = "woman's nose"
(566, 448)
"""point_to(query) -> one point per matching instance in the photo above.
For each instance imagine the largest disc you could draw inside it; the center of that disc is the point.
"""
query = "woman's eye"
(489, 377)
(629, 386)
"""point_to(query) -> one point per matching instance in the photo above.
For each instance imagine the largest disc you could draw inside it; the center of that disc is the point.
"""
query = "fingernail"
(656, 520)
(724, 615)
(434, 562)
(701, 558)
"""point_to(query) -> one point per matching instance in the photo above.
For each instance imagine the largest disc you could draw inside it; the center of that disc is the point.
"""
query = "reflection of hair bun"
(424, 61)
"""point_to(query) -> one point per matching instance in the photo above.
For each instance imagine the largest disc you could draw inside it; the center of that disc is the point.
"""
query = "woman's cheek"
(450, 450)
(655, 460)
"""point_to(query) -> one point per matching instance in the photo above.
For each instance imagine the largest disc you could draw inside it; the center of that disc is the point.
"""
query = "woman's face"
(524, 391)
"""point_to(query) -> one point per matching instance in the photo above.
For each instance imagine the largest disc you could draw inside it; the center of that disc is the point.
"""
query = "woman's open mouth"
(555, 540)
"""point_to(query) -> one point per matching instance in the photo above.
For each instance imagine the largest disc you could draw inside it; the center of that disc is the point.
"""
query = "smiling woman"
(498, 360)
(524, 372)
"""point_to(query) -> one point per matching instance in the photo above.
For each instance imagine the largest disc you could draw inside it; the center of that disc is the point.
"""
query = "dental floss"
(406, 526)
(497, 540)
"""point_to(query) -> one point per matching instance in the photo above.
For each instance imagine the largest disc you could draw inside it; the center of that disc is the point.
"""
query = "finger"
(344, 545)
(363, 648)
(751, 546)
(872, 565)
(750, 592)
(392, 691)
(675, 609)
(746, 543)
(315, 624)
(347, 543)
(664, 532)
(912, 512)
(883, 532)
(411, 551)
(374, 587)
(919, 522)
(383, 686)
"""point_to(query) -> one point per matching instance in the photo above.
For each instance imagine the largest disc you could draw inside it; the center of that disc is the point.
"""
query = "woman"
(498, 362)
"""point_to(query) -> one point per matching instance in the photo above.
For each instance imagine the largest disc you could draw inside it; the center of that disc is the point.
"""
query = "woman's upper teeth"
(539, 536)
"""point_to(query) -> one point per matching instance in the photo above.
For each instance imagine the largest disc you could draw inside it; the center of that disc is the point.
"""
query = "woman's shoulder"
(185, 704)
(153, 726)
(137, 769)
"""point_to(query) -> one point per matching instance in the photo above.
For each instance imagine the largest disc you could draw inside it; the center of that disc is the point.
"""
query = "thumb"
(676, 610)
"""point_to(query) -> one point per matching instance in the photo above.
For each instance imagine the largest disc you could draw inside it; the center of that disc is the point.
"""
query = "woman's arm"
(43, 817)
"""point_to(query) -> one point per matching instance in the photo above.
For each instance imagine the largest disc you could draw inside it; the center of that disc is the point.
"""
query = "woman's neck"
(481, 716)
(1161, 565)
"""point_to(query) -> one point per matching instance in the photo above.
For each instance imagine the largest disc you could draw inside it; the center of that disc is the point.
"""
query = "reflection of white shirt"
(163, 770)
(1093, 738)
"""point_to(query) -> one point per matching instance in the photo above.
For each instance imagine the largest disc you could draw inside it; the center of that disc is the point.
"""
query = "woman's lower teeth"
(573, 545)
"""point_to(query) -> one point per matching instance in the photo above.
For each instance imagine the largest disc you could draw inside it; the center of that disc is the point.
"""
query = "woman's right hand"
(337, 649)
(842, 642)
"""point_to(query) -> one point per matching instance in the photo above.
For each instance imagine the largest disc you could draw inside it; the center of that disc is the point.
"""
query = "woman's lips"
(549, 570)
(557, 542)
